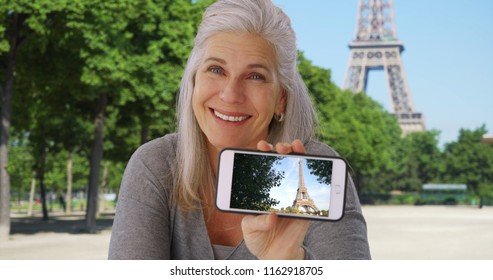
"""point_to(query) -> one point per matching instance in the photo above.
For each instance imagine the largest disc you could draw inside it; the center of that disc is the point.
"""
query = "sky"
(448, 56)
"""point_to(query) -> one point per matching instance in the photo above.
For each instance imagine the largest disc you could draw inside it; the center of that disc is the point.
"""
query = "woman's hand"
(282, 148)
(270, 236)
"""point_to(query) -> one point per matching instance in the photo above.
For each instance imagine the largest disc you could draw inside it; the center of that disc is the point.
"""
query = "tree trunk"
(96, 157)
(41, 180)
(144, 134)
(68, 196)
(103, 186)
(31, 195)
(5, 108)
(42, 188)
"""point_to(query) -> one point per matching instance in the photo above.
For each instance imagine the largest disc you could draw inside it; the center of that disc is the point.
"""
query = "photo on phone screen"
(286, 184)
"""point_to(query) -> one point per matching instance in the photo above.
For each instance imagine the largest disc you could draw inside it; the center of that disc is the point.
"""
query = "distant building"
(488, 139)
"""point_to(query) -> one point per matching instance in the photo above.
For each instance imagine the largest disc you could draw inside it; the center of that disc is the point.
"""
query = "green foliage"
(136, 50)
(322, 169)
(114, 177)
(71, 51)
(253, 178)
(419, 160)
(56, 172)
(469, 161)
(4, 44)
(20, 165)
(34, 16)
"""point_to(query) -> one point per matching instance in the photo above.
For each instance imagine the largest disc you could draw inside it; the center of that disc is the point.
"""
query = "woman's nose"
(232, 92)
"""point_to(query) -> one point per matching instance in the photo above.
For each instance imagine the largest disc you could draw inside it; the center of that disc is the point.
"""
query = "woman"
(241, 89)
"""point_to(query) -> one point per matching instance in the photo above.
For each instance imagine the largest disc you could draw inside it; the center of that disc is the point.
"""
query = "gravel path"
(395, 232)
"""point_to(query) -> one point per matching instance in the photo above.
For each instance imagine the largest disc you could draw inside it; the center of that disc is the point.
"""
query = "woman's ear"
(281, 103)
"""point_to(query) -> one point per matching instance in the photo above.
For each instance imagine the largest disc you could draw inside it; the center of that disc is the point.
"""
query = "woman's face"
(237, 90)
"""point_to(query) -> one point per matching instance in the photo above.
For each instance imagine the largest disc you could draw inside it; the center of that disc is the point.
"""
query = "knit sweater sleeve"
(343, 239)
(142, 226)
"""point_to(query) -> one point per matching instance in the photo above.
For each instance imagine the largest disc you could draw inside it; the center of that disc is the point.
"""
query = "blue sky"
(448, 56)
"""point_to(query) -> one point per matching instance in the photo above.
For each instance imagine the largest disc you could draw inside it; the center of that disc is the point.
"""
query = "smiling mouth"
(230, 118)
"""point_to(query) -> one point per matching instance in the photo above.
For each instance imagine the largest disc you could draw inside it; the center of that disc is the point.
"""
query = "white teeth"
(230, 118)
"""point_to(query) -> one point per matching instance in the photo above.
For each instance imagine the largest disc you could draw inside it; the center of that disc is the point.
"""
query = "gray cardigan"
(148, 225)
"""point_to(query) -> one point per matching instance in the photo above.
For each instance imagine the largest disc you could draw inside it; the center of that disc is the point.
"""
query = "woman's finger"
(264, 146)
(298, 147)
(295, 147)
(283, 148)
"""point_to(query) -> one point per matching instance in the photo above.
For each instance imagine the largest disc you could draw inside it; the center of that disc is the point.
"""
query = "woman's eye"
(257, 77)
(216, 70)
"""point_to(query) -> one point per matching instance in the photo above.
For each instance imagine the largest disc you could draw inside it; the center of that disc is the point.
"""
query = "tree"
(21, 21)
(322, 169)
(133, 54)
(20, 164)
(418, 161)
(82, 55)
(469, 161)
(253, 178)
(46, 105)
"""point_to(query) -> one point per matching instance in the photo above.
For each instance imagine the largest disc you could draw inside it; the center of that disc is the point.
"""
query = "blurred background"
(84, 83)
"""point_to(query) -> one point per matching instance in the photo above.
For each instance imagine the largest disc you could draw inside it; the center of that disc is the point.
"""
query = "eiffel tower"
(303, 200)
(376, 47)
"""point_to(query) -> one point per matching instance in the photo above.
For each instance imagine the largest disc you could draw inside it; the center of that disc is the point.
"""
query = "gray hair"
(262, 18)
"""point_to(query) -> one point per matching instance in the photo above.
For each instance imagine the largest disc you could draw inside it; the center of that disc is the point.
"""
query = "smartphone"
(293, 185)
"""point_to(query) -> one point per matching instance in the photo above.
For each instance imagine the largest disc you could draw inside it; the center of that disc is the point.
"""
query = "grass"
(21, 207)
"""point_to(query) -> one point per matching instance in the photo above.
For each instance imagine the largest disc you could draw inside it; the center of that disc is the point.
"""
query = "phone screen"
(285, 184)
